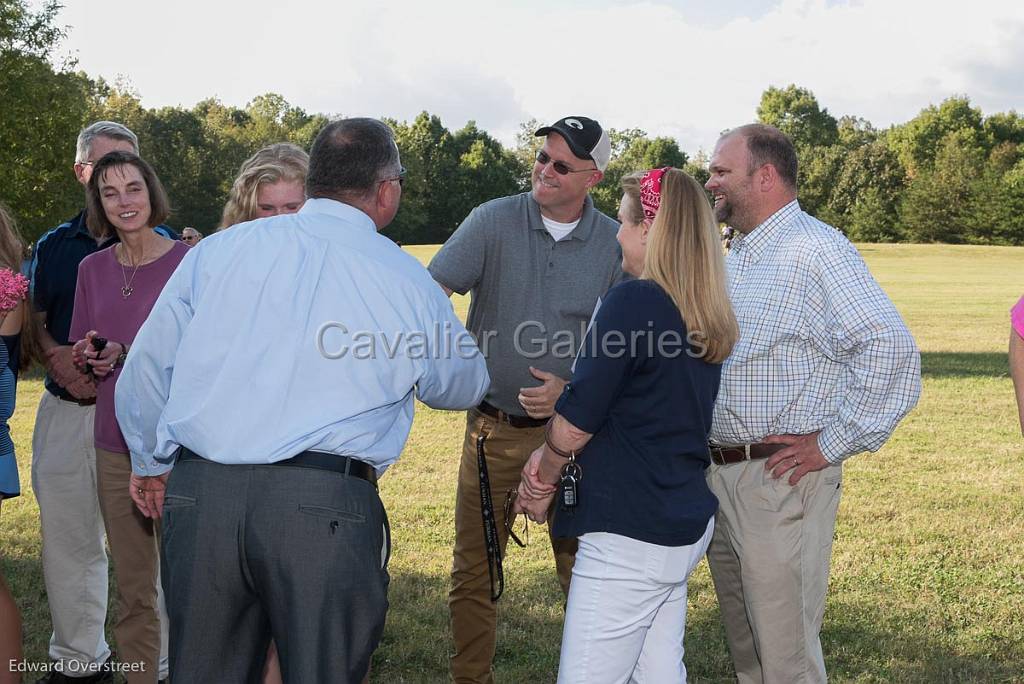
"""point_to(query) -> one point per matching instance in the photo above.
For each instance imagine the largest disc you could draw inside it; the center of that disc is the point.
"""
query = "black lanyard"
(494, 568)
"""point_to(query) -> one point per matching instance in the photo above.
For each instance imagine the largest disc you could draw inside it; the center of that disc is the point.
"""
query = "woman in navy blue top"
(635, 418)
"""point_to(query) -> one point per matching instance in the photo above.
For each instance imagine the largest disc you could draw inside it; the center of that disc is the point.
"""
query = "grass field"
(928, 565)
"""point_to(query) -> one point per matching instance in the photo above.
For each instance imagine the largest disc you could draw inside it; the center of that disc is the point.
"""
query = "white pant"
(74, 559)
(627, 610)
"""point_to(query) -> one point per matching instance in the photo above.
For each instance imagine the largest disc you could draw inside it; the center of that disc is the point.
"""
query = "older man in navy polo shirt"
(63, 456)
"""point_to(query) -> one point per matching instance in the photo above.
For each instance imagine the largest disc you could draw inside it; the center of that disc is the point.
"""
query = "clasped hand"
(534, 496)
(101, 362)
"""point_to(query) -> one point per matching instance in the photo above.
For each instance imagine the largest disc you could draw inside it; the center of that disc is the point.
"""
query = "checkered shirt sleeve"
(821, 348)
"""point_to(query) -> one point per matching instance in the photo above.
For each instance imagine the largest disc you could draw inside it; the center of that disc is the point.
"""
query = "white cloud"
(651, 65)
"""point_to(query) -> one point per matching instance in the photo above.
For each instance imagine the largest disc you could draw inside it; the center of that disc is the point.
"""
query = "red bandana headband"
(650, 191)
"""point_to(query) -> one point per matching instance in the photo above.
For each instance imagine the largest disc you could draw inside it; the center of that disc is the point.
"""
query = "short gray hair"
(103, 129)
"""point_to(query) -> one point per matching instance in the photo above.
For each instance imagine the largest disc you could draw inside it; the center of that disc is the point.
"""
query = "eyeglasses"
(190, 238)
(400, 177)
(560, 167)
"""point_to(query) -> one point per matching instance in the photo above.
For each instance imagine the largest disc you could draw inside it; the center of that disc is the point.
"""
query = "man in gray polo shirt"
(536, 264)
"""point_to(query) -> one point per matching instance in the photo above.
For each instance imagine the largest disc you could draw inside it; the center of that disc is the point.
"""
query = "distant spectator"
(190, 236)
(271, 182)
(1017, 356)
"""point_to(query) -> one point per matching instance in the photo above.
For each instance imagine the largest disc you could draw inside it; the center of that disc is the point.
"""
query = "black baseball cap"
(585, 138)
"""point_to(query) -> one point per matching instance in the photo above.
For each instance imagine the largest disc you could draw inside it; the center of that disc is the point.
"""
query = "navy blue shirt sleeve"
(610, 354)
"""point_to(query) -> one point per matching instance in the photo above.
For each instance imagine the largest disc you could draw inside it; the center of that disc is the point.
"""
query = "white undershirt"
(558, 230)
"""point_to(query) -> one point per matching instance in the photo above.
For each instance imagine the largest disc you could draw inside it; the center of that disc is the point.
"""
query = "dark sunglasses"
(560, 167)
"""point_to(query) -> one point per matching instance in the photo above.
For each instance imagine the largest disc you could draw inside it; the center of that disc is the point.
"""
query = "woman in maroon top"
(116, 290)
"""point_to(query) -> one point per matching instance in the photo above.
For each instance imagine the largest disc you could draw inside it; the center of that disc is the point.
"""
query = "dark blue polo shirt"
(648, 404)
(54, 274)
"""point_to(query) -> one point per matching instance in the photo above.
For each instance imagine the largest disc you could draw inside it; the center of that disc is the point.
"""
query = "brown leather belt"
(724, 455)
(514, 421)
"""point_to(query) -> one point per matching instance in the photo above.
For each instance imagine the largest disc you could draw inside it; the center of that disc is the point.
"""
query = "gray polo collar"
(582, 230)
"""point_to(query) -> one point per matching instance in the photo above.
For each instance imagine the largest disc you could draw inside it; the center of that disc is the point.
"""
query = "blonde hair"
(12, 252)
(273, 163)
(684, 257)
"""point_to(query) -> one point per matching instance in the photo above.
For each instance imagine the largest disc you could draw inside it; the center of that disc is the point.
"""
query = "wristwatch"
(119, 361)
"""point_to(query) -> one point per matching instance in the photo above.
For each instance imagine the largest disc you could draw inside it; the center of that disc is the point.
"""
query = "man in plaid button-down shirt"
(824, 369)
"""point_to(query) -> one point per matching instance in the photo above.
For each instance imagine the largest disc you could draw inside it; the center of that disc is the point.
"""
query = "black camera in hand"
(99, 344)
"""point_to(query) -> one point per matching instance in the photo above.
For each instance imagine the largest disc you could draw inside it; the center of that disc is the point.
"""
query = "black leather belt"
(724, 455)
(311, 459)
(91, 401)
(514, 421)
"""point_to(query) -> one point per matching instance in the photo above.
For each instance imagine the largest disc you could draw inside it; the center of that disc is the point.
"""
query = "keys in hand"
(572, 473)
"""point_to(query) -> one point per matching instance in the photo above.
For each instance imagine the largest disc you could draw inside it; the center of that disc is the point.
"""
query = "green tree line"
(951, 174)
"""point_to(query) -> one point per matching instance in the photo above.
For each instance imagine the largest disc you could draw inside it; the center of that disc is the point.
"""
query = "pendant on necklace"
(126, 291)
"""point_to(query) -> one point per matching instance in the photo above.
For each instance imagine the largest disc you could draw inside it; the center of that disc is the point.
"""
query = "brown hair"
(12, 252)
(768, 145)
(684, 257)
(96, 218)
(273, 163)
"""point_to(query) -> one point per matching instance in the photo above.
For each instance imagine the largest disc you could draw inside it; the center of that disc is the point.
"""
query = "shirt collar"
(582, 230)
(322, 205)
(761, 237)
(80, 225)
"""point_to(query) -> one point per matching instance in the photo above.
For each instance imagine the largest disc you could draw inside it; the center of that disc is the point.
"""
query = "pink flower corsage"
(13, 288)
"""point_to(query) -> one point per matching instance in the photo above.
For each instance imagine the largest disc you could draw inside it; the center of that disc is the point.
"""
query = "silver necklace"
(127, 290)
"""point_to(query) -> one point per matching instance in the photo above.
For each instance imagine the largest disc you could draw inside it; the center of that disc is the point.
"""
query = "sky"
(687, 69)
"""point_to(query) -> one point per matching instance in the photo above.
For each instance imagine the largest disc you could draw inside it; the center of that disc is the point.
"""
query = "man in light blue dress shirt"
(276, 376)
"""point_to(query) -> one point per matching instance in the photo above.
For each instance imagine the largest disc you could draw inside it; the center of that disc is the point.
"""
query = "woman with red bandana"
(626, 450)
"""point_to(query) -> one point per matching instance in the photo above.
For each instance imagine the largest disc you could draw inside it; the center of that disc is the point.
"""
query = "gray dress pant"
(254, 552)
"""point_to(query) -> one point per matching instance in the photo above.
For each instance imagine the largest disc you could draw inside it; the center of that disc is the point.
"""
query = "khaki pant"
(474, 616)
(74, 559)
(769, 560)
(141, 627)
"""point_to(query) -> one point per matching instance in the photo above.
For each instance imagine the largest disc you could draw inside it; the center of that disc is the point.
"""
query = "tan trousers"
(769, 560)
(134, 549)
(474, 616)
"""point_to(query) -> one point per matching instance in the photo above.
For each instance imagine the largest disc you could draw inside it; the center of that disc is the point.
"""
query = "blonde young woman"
(14, 357)
(271, 182)
(634, 419)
